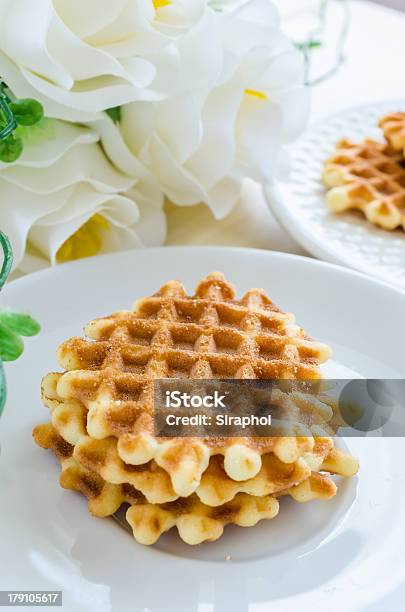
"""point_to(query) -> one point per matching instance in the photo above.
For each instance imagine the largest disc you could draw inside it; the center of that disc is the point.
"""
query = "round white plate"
(300, 205)
(342, 554)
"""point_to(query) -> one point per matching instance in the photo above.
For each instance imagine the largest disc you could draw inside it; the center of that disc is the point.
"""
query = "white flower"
(82, 57)
(201, 143)
(63, 200)
(208, 93)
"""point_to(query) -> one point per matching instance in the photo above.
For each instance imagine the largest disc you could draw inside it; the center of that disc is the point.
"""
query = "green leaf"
(27, 112)
(11, 345)
(10, 149)
(114, 113)
(21, 324)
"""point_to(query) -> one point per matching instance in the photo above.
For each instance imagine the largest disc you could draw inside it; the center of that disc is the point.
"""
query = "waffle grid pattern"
(101, 410)
(208, 335)
(369, 177)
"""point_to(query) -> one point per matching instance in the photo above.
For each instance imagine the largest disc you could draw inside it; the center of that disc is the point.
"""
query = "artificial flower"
(81, 58)
(200, 144)
(187, 97)
(63, 200)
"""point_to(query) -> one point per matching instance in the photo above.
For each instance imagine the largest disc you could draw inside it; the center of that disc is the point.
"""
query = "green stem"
(5, 271)
(11, 123)
(8, 259)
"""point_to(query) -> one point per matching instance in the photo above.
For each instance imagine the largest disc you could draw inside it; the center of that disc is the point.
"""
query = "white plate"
(300, 205)
(342, 554)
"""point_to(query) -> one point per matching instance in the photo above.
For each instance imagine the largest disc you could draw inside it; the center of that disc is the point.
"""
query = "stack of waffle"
(370, 176)
(101, 408)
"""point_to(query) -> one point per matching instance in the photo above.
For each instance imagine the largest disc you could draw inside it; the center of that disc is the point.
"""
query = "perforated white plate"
(300, 205)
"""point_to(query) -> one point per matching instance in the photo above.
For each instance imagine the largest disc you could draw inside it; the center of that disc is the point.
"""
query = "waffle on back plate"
(196, 522)
(209, 335)
(393, 127)
(369, 177)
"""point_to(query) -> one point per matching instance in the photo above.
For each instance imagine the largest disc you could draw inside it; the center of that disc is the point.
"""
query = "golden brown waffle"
(215, 488)
(208, 335)
(393, 127)
(369, 177)
(195, 521)
(103, 498)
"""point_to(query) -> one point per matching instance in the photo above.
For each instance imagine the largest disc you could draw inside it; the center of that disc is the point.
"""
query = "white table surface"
(370, 73)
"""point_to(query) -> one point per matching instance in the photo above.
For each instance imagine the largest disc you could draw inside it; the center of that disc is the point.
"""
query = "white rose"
(63, 200)
(79, 58)
(207, 97)
(201, 143)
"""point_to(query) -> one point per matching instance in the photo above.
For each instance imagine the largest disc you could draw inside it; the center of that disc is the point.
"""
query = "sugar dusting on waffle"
(101, 409)
(170, 335)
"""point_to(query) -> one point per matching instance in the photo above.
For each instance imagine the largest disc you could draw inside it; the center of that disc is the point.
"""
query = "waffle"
(369, 177)
(215, 487)
(195, 521)
(209, 335)
(393, 127)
